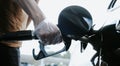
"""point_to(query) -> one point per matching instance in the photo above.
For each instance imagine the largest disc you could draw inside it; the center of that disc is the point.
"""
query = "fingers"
(57, 39)
(52, 38)
(48, 33)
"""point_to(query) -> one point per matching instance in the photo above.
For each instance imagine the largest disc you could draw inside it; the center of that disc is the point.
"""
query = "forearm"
(32, 9)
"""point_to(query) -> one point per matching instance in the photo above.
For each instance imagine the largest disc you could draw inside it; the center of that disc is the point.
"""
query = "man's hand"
(48, 33)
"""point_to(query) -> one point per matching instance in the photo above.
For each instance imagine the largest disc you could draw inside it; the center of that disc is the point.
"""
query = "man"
(15, 15)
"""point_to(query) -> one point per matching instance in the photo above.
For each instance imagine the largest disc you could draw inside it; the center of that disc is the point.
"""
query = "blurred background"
(73, 57)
